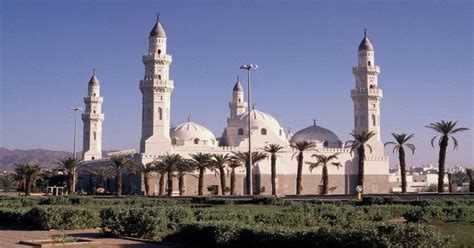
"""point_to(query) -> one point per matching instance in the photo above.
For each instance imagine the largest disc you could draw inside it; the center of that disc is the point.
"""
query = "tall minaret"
(238, 105)
(367, 94)
(156, 89)
(92, 119)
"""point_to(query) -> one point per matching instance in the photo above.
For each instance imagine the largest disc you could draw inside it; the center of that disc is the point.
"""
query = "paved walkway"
(11, 236)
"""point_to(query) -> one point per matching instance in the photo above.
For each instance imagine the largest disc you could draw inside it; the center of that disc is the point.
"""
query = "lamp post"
(75, 110)
(249, 173)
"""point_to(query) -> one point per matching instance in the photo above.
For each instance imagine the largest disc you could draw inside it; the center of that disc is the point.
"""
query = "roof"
(158, 30)
(189, 131)
(316, 134)
(94, 80)
(365, 44)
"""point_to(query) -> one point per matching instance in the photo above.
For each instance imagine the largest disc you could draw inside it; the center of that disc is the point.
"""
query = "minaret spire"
(365, 32)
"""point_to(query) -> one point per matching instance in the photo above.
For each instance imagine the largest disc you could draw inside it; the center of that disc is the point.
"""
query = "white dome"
(318, 135)
(192, 133)
(259, 119)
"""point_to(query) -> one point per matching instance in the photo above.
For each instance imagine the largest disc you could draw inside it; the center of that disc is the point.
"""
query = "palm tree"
(445, 129)
(359, 143)
(322, 160)
(119, 162)
(146, 171)
(233, 164)
(182, 169)
(273, 150)
(201, 161)
(401, 142)
(243, 157)
(102, 174)
(29, 173)
(169, 163)
(70, 166)
(301, 146)
(161, 169)
(219, 161)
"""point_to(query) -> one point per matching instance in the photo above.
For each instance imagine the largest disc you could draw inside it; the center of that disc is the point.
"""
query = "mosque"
(159, 138)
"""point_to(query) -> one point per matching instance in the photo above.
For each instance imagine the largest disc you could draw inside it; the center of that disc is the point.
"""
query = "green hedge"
(60, 217)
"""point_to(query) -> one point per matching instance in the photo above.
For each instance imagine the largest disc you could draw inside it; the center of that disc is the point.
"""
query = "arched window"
(368, 63)
(196, 141)
(159, 77)
(241, 131)
(94, 94)
(92, 158)
(174, 141)
(160, 113)
(263, 131)
(373, 120)
(240, 100)
(95, 135)
(159, 51)
(325, 143)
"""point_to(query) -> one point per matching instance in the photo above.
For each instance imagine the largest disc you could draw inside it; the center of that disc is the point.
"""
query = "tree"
(70, 166)
(233, 164)
(445, 130)
(301, 147)
(119, 163)
(161, 168)
(169, 163)
(28, 173)
(401, 142)
(359, 143)
(145, 171)
(102, 174)
(471, 179)
(243, 158)
(201, 161)
(220, 161)
(273, 150)
(322, 160)
(182, 169)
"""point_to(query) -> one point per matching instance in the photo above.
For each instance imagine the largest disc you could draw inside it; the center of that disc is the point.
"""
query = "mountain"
(45, 158)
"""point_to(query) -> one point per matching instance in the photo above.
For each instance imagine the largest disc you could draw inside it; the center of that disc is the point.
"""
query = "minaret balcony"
(155, 56)
(367, 92)
(93, 99)
(156, 83)
(92, 116)
(357, 69)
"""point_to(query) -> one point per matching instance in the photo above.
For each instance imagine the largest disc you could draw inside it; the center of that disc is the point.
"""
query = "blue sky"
(305, 50)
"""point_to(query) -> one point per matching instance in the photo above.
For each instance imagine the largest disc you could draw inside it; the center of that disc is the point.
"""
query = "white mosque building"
(159, 138)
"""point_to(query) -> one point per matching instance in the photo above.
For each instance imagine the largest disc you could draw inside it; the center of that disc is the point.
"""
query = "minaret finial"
(157, 17)
(93, 71)
(365, 32)
(189, 118)
(314, 122)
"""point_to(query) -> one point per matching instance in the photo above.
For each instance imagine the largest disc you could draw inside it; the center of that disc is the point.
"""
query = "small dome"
(260, 119)
(365, 44)
(238, 87)
(192, 133)
(94, 80)
(158, 30)
(318, 135)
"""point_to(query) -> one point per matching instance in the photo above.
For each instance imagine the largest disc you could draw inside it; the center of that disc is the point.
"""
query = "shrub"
(423, 214)
(61, 217)
(11, 216)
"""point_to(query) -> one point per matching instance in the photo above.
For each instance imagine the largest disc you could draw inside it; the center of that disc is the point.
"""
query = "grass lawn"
(462, 232)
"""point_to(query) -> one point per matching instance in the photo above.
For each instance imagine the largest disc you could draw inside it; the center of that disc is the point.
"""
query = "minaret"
(238, 105)
(156, 89)
(367, 94)
(92, 119)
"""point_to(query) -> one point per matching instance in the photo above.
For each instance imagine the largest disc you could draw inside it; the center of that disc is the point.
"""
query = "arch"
(325, 143)
(263, 131)
(241, 131)
(95, 135)
(159, 51)
(159, 77)
(196, 141)
(92, 158)
(374, 122)
(160, 113)
(174, 141)
(368, 63)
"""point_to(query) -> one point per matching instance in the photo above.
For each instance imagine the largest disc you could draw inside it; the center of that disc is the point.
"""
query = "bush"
(11, 216)
(423, 214)
(61, 217)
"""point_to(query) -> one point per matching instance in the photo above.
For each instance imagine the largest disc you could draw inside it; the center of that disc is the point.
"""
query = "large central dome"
(318, 135)
(190, 133)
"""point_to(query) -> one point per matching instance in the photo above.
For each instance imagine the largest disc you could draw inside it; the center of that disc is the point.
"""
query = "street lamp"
(75, 110)
(249, 173)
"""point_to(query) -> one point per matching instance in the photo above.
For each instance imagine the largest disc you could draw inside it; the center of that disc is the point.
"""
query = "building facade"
(159, 138)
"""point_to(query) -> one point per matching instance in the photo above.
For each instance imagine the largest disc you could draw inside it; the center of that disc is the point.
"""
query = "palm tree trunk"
(325, 180)
(146, 182)
(73, 186)
(361, 154)
(161, 190)
(201, 180)
(232, 182)
(248, 175)
(223, 181)
(442, 159)
(299, 172)
(28, 187)
(450, 183)
(181, 185)
(401, 157)
(118, 181)
(273, 161)
(170, 183)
